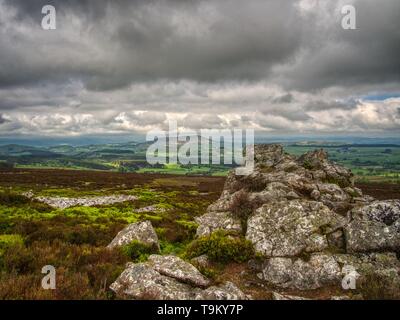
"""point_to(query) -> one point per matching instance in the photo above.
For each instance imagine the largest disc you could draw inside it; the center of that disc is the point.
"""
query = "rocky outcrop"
(63, 202)
(310, 223)
(140, 231)
(170, 278)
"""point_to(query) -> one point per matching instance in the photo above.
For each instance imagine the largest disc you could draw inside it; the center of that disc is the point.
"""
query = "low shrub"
(222, 247)
(137, 251)
(7, 240)
(13, 199)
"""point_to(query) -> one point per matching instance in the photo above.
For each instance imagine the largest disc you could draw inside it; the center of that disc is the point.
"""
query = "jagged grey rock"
(140, 231)
(174, 267)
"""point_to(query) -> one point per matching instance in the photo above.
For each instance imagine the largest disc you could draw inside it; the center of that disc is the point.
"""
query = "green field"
(369, 162)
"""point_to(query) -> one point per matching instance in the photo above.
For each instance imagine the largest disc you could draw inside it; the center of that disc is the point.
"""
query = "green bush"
(137, 251)
(222, 247)
(13, 199)
(7, 240)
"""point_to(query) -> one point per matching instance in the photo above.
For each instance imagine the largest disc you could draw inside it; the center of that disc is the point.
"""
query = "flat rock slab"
(175, 267)
(141, 281)
(140, 231)
(63, 202)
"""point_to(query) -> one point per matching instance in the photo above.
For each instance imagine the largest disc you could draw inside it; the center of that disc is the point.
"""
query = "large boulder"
(374, 227)
(140, 231)
(170, 278)
(288, 228)
(320, 270)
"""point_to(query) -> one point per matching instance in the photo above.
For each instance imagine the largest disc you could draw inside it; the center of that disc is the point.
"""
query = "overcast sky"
(118, 67)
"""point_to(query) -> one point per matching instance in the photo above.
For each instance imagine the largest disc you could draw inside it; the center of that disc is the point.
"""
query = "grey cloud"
(327, 105)
(287, 98)
(2, 119)
(199, 40)
(336, 57)
(118, 66)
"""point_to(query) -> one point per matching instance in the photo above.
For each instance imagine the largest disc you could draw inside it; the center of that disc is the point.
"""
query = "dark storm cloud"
(117, 66)
(336, 57)
(147, 40)
(120, 42)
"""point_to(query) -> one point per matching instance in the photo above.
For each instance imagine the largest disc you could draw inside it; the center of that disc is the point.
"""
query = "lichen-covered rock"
(278, 296)
(374, 227)
(174, 267)
(140, 281)
(166, 278)
(268, 154)
(227, 291)
(318, 161)
(140, 231)
(319, 271)
(288, 228)
(387, 212)
(212, 221)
